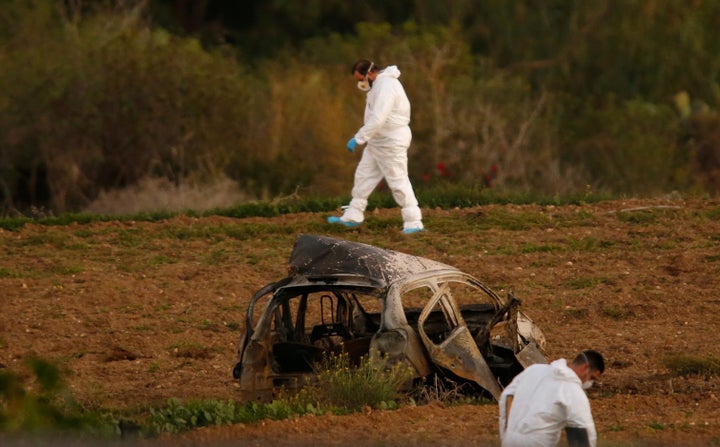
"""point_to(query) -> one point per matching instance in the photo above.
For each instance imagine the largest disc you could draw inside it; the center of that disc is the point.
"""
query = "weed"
(178, 417)
(445, 391)
(374, 383)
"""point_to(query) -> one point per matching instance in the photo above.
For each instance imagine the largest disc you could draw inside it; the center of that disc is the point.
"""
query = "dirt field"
(137, 313)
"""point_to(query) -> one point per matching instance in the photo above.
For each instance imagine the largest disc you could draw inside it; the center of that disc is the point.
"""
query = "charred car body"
(343, 296)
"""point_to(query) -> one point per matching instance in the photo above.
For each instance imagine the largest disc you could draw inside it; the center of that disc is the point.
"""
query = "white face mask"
(587, 385)
(364, 85)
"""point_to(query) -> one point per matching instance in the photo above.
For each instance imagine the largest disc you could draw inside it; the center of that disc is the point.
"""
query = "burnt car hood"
(322, 256)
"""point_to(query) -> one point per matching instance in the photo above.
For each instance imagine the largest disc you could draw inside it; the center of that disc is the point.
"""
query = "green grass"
(588, 244)
(446, 197)
(40, 404)
(693, 365)
(10, 273)
(616, 312)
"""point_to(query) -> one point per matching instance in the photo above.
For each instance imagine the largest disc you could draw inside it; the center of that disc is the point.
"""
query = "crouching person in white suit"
(543, 400)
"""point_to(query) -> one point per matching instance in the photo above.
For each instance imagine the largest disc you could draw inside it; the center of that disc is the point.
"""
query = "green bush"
(41, 405)
(372, 383)
(99, 101)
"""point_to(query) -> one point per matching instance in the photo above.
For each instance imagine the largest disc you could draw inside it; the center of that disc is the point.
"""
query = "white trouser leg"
(394, 167)
(367, 177)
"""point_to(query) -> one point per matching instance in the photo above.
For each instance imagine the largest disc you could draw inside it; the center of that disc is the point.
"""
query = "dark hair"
(593, 358)
(363, 66)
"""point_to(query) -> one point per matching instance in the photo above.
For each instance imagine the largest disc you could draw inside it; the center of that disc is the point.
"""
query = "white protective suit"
(387, 133)
(545, 400)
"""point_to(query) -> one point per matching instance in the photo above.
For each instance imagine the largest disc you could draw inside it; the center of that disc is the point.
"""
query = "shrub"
(40, 404)
(372, 383)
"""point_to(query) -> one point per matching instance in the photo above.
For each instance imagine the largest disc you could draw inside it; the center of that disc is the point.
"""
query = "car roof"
(323, 256)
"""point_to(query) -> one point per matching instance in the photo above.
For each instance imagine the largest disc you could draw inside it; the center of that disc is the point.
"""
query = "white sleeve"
(579, 415)
(503, 409)
(377, 116)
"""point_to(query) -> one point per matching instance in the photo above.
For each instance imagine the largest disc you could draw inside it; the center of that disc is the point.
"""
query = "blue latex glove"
(351, 145)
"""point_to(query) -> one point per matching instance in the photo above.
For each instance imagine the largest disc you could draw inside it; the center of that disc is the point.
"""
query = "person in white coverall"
(386, 133)
(544, 399)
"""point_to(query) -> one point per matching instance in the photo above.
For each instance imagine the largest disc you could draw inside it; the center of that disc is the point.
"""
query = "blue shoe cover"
(337, 220)
(412, 230)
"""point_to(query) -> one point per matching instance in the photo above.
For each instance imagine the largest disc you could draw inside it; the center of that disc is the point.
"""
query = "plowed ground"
(137, 313)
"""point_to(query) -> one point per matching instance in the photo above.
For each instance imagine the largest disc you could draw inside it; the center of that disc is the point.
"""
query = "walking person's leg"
(395, 171)
(367, 177)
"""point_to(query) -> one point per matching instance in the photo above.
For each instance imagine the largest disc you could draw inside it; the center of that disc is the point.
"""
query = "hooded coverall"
(387, 133)
(545, 400)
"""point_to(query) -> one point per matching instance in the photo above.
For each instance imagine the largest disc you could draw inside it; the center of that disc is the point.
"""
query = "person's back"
(387, 113)
(541, 402)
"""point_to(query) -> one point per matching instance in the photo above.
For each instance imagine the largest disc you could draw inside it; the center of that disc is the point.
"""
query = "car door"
(449, 341)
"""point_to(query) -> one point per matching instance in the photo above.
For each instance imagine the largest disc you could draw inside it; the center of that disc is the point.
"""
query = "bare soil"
(137, 313)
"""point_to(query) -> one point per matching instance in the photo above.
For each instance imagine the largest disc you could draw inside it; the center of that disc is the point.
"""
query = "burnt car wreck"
(342, 296)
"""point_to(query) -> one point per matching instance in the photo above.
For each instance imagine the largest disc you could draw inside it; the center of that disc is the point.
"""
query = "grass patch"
(574, 312)
(693, 365)
(39, 403)
(67, 269)
(233, 325)
(8, 273)
(159, 260)
(446, 197)
(616, 312)
(340, 388)
(508, 220)
(584, 283)
(216, 257)
(191, 351)
(588, 244)
(180, 416)
(712, 213)
(646, 215)
(535, 248)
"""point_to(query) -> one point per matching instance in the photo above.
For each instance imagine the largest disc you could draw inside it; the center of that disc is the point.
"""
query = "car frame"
(366, 301)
